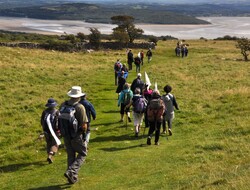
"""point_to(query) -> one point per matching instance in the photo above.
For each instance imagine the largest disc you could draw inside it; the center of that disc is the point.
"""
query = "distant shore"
(221, 26)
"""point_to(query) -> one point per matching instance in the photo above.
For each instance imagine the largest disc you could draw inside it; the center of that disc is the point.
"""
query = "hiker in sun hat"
(50, 117)
(73, 138)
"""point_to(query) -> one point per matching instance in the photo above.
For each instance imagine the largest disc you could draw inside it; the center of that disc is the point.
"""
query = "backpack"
(117, 66)
(140, 105)
(67, 121)
(126, 98)
(155, 110)
(53, 120)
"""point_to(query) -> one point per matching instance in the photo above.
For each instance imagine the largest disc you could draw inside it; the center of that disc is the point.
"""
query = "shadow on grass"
(111, 111)
(113, 149)
(15, 167)
(53, 187)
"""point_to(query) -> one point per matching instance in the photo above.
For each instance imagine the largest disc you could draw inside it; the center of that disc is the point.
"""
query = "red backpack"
(155, 110)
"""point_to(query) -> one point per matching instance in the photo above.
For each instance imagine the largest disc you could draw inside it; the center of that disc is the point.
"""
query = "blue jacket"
(90, 110)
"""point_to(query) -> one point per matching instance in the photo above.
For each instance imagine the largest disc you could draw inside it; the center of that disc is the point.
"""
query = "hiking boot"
(136, 135)
(157, 143)
(129, 119)
(149, 141)
(170, 132)
(70, 177)
(49, 159)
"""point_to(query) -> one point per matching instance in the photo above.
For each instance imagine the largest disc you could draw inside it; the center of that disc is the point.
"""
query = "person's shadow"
(15, 167)
(53, 187)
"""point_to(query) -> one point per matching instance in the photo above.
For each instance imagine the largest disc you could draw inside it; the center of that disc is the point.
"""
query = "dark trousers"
(116, 78)
(154, 127)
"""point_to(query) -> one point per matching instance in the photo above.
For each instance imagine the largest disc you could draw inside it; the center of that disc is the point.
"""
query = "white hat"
(139, 75)
(75, 92)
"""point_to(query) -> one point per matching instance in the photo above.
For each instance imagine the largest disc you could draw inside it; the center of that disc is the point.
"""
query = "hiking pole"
(126, 120)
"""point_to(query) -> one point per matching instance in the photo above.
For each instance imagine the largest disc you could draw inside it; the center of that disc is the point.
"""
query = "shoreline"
(219, 27)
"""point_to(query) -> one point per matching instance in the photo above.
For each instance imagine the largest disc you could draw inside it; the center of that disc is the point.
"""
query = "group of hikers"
(72, 122)
(147, 105)
(181, 50)
(121, 70)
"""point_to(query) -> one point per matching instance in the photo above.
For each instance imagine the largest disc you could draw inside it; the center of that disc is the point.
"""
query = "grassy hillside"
(209, 148)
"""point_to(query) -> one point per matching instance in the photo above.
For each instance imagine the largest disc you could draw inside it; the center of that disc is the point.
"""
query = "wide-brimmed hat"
(51, 103)
(75, 92)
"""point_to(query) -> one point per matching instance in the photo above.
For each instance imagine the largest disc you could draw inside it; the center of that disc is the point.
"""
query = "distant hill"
(101, 12)
(153, 14)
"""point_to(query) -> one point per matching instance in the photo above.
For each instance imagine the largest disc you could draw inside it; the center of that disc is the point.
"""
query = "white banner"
(58, 142)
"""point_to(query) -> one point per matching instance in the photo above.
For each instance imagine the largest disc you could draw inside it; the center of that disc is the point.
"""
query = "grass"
(209, 148)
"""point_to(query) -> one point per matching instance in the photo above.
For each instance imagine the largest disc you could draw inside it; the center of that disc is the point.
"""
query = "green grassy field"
(209, 148)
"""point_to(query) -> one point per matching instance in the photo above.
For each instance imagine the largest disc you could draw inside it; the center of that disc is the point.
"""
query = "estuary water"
(219, 27)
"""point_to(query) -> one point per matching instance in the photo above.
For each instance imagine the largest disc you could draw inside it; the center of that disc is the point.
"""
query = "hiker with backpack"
(72, 123)
(170, 103)
(149, 54)
(90, 111)
(137, 83)
(137, 62)
(147, 93)
(121, 82)
(139, 104)
(49, 122)
(117, 68)
(125, 99)
(155, 111)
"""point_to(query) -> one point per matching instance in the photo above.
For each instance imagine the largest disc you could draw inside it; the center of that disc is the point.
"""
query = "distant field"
(209, 148)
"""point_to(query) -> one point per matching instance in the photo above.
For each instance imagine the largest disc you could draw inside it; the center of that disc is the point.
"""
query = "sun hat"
(139, 75)
(51, 103)
(75, 92)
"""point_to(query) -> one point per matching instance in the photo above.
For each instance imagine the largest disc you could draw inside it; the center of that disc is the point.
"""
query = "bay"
(219, 27)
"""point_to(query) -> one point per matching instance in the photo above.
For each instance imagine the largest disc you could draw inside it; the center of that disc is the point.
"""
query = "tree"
(95, 37)
(81, 36)
(120, 35)
(244, 45)
(126, 26)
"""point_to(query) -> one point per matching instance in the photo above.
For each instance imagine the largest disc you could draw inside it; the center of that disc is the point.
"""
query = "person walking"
(147, 93)
(155, 111)
(117, 69)
(121, 82)
(149, 54)
(125, 99)
(90, 111)
(50, 114)
(137, 62)
(139, 104)
(73, 122)
(141, 56)
(137, 83)
(130, 58)
(170, 103)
